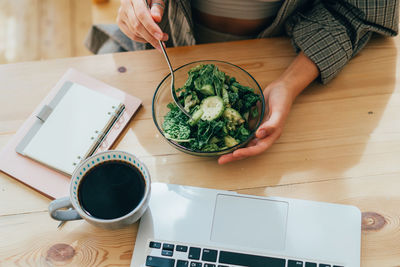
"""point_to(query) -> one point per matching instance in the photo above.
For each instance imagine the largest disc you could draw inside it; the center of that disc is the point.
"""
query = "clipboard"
(47, 180)
(71, 127)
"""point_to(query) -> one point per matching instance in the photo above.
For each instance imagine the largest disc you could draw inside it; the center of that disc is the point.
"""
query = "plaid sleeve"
(330, 33)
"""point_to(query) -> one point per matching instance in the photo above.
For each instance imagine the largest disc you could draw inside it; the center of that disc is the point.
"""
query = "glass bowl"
(162, 97)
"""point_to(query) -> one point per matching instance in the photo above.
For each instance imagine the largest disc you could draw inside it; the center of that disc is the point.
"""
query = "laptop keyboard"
(171, 254)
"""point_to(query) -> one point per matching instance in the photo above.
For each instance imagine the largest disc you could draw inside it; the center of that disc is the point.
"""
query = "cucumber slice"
(196, 116)
(213, 107)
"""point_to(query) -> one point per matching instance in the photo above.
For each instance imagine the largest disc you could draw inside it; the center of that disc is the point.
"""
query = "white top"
(239, 9)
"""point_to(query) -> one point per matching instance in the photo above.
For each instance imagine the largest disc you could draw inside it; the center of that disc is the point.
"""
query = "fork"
(176, 100)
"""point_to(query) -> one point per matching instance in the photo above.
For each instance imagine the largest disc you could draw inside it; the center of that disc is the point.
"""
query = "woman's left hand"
(280, 100)
(279, 95)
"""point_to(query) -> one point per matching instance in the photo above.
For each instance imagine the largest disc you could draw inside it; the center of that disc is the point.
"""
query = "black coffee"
(111, 190)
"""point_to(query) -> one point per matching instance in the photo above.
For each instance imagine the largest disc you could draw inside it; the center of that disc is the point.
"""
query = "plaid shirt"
(329, 32)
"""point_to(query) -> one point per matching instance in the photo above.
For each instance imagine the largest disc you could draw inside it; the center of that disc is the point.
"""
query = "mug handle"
(63, 215)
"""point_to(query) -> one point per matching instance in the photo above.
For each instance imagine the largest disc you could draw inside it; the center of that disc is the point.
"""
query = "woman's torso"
(232, 19)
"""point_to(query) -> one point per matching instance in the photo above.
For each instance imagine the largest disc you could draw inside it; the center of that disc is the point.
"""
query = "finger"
(231, 157)
(157, 10)
(143, 14)
(252, 142)
(228, 158)
(139, 30)
(128, 32)
(148, 37)
(270, 126)
(138, 39)
(165, 37)
(260, 147)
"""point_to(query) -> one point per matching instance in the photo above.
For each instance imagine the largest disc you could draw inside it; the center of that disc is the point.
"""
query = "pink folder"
(43, 179)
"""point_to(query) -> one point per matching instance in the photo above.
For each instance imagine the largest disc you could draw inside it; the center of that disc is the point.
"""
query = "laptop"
(196, 227)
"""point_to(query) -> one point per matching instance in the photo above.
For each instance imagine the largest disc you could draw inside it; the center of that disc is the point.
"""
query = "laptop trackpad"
(250, 222)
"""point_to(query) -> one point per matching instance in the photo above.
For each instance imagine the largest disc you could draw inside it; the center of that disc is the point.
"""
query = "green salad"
(221, 109)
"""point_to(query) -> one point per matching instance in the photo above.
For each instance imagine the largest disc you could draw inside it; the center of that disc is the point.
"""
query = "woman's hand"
(139, 23)
(280, 96)
(280, 100)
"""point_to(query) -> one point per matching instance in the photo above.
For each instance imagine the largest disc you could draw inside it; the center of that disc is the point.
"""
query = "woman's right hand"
(139, 23)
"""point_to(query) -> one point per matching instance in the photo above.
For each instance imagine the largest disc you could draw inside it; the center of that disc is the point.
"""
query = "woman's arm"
(330, 33)
(280, 96)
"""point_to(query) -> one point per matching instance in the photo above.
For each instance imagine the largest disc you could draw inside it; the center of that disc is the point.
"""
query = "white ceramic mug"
(56, 207)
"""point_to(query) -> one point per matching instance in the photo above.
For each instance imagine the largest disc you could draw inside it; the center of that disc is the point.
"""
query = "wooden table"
(341, 144)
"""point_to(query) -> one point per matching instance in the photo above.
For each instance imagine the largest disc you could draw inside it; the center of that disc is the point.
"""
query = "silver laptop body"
(190, 226)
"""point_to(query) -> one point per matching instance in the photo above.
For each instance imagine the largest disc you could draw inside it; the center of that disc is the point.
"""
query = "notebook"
(43, 178)
(70, 127)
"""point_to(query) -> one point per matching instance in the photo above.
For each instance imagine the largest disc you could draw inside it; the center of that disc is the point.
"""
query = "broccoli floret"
(175, 125)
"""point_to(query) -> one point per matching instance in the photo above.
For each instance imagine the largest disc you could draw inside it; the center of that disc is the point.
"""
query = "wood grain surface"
(341, 144)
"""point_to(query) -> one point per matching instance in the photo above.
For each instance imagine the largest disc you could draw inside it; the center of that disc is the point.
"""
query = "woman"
(325, 33)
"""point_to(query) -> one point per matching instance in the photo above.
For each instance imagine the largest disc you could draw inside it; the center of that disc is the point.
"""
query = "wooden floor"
(47, 29)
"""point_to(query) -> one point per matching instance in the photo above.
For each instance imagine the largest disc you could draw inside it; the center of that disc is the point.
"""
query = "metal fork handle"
(176, 100)
(166, 57)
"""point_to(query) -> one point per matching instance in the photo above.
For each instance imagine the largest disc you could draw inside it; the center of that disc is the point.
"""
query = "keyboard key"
(167, 246)
(155, 244)
(337, 266)
(292, 263)
(209, 265)
(324, 265)
(194, 253)
(181, 263)
(249, 260)
(181, 248)
(311, 264)
(167, 253)
(223, 266)
(209, 255)
(195, 264)
(159, 262)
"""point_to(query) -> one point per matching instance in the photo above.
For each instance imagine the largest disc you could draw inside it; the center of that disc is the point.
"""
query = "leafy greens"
(226, 126)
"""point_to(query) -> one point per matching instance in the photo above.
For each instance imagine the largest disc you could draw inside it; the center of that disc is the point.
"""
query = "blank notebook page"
(72, 128)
